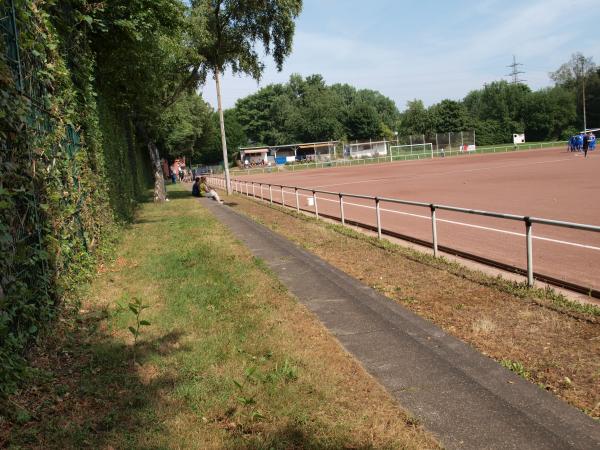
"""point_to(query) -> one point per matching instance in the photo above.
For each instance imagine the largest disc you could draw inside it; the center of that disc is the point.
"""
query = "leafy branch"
(137, 307)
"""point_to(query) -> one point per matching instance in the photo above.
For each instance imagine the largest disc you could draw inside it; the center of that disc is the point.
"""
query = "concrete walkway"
(466, 399)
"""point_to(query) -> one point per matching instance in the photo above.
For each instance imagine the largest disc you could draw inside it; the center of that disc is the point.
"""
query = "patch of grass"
(516, 367)
(553, 336)
(545, 296)
(230, 360)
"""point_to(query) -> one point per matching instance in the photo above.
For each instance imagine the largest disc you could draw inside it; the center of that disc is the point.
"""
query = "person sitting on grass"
(207, 191)
(196, 187)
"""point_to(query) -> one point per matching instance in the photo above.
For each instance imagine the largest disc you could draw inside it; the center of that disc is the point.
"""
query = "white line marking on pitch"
(480, 227)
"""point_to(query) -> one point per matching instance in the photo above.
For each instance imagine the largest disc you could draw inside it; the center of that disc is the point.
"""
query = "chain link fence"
(32, 154)
(452, 141)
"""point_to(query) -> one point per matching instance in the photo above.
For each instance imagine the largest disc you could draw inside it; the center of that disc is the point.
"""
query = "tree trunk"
(223, 139)
(160, 193)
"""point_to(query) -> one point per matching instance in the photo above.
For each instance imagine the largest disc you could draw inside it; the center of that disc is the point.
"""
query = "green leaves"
(136, 307)
(308, 110)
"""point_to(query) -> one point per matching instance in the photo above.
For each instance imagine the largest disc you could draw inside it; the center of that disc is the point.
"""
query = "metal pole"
(342, 209)
(282, 197)
(434, 231)
(528, 233)
(261, 192)
(271, 194)
(378, 212)
(297, 200)
(20, 84)
(583, 98)
(315, 201)
(253, 194)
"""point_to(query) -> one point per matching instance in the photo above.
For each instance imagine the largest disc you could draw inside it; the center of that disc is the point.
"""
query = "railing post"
(271, 194)
(434, 231)
(315, 202)
(253, 194)
(342, 209)
(297, 200)
(261, 192)
(282, 197)
(378, 213)
(529, 237)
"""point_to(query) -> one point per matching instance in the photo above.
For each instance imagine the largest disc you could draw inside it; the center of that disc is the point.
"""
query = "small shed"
(368, 149)
(282, 154)
(254, 155)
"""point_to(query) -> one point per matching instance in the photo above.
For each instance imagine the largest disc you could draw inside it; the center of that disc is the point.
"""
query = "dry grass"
(230, 360)
(553, 341)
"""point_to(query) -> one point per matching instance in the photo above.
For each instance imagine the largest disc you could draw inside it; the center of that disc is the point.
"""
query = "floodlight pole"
(223, 139)
(584, 116)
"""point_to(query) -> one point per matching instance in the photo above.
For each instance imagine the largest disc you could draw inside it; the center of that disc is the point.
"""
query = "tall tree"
(501, 106)
(415, 119)
(550, 114)
(450, 116)
(575, 74)
(234, 27)
(363, 121)
(182, 125)
(145, 64)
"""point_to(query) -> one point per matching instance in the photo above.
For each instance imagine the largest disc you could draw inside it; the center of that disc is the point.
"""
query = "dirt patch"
(558, 350)
(147, 373)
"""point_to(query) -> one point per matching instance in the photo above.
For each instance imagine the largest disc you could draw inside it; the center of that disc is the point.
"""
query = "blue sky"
(428, 49)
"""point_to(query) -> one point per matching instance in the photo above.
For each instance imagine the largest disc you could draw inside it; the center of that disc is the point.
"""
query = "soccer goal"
(424, 150)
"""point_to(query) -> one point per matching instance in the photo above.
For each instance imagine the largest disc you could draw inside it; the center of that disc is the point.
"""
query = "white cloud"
(444, 63)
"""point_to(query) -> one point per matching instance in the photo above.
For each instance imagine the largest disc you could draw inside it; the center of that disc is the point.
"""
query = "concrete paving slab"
(466, 399)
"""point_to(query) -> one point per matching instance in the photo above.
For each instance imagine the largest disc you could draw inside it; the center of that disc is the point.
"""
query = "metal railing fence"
(260, 190)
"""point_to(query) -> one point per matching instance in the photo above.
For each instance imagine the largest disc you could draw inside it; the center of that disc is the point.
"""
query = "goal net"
(424, 150)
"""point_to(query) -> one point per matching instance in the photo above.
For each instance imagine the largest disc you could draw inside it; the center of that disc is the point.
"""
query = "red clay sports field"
(552, 184)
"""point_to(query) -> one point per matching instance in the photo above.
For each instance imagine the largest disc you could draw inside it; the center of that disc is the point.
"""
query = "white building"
(371, 149)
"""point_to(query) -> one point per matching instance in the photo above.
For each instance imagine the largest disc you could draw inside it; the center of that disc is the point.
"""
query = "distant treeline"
(308, 110)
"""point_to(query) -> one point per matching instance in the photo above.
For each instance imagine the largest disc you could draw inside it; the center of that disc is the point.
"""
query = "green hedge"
(70, 170)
